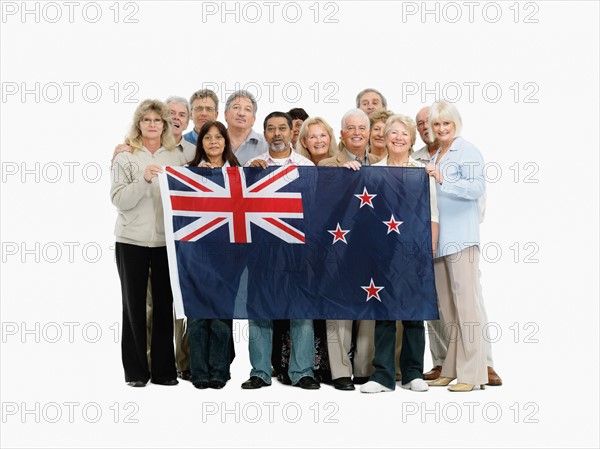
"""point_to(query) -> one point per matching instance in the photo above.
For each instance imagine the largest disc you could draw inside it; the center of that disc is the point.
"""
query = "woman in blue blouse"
(457, 168)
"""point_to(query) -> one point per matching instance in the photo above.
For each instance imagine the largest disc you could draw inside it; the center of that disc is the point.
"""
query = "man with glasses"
(205, 107)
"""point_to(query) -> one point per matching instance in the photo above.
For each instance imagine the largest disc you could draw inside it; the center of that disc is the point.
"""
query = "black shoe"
(360, 380)
(216, 384)
(168, 382)
(201, 385)
(253, 383)
(136, 383)
(308, 383)
(343, 383)
(184, 375)
(284, 379)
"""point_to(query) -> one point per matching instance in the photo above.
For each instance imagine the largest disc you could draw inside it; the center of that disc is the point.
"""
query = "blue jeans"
(302, 357)
(210, 341)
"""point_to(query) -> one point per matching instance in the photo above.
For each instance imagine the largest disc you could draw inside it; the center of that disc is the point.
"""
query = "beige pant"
(438, 340)
(458, 275)
(339, 340)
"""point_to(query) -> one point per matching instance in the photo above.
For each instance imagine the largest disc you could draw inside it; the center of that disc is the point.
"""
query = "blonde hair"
(301, 149)
(380, 115)
(444, 111)
(408, 123)
(134, 138)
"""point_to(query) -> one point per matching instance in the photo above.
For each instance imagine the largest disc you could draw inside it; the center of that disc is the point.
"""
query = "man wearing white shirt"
(278, 135)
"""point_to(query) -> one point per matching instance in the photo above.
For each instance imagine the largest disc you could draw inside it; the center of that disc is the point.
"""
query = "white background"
(544, 213)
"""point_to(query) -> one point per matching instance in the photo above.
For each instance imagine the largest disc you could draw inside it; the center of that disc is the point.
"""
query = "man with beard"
(278, 135)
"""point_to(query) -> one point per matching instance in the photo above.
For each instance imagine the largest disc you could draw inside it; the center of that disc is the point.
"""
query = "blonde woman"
(457, 168)
(316, 140)
(140, 244)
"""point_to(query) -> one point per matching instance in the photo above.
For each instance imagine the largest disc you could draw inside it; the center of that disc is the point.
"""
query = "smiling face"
(355, 134)
(278, 134)
(203, 110)
(151, 125)
(378, 138)
(444, 131)
(240, 114)
(179, 118)
(398, 140)
(213, 143)
(317, 141)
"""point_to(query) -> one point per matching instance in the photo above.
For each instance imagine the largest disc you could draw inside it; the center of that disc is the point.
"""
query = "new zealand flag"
(300, 242)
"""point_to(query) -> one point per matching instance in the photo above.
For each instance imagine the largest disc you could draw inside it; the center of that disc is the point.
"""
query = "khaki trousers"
(459, 295)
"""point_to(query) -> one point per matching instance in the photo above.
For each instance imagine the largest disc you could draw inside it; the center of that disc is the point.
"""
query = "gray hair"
(356, 113)
(243, 94)
(178, 100)
(205, 93)
(375, 91)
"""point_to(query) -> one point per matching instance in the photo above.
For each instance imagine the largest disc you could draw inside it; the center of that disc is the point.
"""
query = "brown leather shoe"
(493, 378)
(433, 374)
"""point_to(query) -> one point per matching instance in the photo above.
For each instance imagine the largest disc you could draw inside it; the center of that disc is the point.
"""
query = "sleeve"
(469, 182)
(128, 185)
(435, 215)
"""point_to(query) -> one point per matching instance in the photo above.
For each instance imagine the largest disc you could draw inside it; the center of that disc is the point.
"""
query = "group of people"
(302, 353)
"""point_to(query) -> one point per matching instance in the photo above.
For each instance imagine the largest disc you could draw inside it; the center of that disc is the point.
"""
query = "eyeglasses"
(147, 121)
(208, 109)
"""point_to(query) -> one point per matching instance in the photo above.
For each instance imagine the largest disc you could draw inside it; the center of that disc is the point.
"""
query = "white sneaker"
(416, 385)
(374, 387)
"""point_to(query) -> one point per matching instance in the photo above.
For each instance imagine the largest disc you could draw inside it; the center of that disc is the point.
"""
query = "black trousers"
(411, 357)
(133, 264)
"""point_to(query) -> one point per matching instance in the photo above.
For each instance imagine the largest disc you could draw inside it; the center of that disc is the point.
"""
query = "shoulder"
(335, 161)
(468, 149)
(263, 156)
(255, 136)
(422, 153)
(412, 162)
(126, 157)
(298, 159)
(373, 159)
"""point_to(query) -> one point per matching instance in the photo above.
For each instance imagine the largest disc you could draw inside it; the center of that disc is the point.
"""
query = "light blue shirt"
(254, 145)
(458, 196)
(191, 137)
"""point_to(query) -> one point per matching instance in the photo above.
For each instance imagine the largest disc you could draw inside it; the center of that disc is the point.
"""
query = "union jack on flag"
(236, 204)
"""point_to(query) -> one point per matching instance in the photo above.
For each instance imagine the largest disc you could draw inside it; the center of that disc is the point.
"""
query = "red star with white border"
(393, 225)
(339, 234)
(372, 291)
(365, 197)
